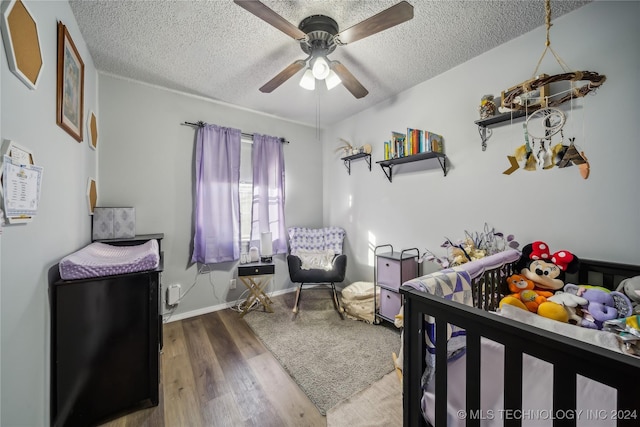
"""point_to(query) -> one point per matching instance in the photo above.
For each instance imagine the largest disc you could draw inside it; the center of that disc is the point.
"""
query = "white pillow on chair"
(316, 259)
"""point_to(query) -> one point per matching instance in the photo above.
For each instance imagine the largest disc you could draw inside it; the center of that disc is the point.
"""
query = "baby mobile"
(546, 121)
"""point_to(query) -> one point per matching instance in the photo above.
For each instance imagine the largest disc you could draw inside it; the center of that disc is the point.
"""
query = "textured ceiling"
(218, 50)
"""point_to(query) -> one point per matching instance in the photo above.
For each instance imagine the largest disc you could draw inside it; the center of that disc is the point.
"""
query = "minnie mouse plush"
(546, 270)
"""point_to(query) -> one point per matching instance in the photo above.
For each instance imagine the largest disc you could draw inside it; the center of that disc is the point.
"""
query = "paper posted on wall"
(21, 188)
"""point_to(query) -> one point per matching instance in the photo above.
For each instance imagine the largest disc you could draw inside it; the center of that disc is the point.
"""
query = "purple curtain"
(267, 213)
(217, 208)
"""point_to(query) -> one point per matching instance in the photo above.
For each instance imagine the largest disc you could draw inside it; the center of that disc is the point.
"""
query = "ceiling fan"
(319, 36)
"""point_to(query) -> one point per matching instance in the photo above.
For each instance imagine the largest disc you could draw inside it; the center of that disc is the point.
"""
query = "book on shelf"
(415, 141)
(435, 143)
(398, 141)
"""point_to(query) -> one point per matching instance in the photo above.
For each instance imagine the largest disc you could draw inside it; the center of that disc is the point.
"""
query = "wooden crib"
(569, 357)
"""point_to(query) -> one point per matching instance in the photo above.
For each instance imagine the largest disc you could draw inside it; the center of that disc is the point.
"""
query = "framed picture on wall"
(70, 85)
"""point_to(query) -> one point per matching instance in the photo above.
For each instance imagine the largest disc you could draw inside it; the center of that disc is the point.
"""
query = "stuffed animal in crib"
(527, 297)
(546, 271)
(602, 305)
(572, 304)
(631, 288)
(524, 295)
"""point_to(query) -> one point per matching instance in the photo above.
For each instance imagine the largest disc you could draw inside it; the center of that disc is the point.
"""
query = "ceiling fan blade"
(269, 16)
(386, 19)
(351, 83)
(283, 76)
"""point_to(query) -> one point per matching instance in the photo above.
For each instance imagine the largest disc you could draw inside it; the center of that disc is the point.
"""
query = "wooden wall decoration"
(92, 130)
(92, 195)
(541, 82)
(594, 81)
(70, 85)
(21, 42)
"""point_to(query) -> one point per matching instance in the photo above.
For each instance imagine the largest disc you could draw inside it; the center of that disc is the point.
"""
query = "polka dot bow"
(540, 250)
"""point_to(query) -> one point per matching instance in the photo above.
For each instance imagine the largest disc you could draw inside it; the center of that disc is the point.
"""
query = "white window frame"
(246, 191)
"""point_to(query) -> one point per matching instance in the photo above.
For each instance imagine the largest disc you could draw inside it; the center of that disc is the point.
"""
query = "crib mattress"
(100, 259)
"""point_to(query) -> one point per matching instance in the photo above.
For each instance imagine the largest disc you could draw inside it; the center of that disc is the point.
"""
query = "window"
(246, 195)
(270, 180)
(246, 192)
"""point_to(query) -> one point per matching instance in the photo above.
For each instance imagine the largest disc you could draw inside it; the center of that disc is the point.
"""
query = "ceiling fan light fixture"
(332, 80)
(308, 81)
(319, 36)
(320, 68)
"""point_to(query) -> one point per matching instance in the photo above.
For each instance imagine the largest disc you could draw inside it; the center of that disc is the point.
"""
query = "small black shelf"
(347, 160)
(387, 165)
(483, 124)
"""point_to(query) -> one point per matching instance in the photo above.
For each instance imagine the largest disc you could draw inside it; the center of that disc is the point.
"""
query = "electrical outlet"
(232, 284)
(173, 294)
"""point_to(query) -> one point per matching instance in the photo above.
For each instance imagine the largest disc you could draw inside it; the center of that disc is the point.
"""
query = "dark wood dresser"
(105, 347)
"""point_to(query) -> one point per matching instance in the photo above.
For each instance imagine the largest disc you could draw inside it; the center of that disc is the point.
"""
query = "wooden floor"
(215, 372)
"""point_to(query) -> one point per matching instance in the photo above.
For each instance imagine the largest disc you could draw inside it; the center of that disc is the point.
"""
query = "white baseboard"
(212, 308)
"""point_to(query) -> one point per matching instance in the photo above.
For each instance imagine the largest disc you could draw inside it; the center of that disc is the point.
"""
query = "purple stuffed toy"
(602, 305)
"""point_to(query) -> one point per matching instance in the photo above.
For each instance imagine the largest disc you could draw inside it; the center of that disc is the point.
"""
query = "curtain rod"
(246, 135)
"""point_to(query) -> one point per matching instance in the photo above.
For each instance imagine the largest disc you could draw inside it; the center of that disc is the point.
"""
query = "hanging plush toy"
(538, 150)
(552, 122)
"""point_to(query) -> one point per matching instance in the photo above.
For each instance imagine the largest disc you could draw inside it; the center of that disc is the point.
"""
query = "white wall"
(146, 161)
(594, 218)
(62, 225)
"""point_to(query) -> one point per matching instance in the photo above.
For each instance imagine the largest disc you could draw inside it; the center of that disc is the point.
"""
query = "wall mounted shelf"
(387, 165)
(347, 160)
(483, 125)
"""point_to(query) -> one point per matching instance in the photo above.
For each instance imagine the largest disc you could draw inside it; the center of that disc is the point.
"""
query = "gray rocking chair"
(302, 242)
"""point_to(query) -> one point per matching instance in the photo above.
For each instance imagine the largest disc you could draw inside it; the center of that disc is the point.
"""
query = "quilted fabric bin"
(114, 223)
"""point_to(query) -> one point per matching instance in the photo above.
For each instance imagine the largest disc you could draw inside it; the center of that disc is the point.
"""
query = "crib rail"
(489, 288)
(603, 273)
(569, 357)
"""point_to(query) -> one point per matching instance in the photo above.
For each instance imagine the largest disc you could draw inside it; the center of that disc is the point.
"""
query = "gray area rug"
(330, 359)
